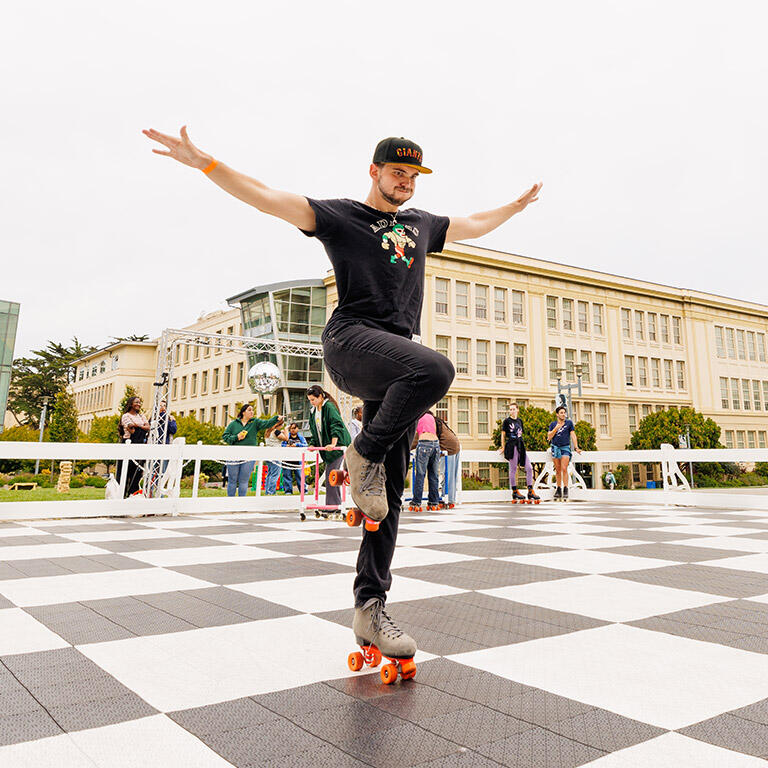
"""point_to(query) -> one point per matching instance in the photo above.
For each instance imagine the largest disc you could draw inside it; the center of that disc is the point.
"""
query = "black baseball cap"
(400, 150)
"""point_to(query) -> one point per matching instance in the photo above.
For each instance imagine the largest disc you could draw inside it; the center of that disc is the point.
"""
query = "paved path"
(556, 635)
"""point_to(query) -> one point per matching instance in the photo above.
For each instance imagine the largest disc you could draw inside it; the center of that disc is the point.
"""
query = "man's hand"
(181, 149)
(242, 434)
(479, 224)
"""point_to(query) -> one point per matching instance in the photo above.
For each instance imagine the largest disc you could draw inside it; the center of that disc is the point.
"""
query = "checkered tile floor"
(555, 635)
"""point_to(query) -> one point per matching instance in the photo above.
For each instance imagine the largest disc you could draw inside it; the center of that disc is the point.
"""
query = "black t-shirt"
(513, 428)
(378, 259)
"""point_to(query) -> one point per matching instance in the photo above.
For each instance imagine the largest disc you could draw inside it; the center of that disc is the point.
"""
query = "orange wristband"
(210, 167)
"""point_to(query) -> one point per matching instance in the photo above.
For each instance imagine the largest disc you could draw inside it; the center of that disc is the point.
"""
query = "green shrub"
(77, 482)
(96, 482)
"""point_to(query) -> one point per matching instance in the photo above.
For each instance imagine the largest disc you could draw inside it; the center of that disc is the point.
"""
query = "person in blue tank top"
(561, 433)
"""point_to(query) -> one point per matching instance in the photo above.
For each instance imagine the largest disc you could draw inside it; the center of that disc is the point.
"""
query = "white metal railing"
(676, 489)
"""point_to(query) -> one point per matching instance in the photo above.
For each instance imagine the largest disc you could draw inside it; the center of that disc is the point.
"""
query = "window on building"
(677, 330)
(651, 326)
(719, 341)
(760, 341)
(632, 417)
(551, 311)
(500, 305)
(183, 386)
(519, 360)
(626, 324)
(204, 383)
(441, 409)
(756, 395)
(483, 415)
(462, 299)
(751, 439)
(656, 373)
(186, 353)
(567, 314)
(174, 389)
(82, 374)
(201, 414)
(586, 366)
(228, 377)
(481, 357)
(177, 354)
(94, 370)
(518, 313)
(635, 473)
(193, 385)
(680, 366)
(481, 302)
(740, 439)
(741, 346)
(724, 399)
(659, 408)
(570, 364)
(582, 314)
(747, 396)
(207, 349)
(729, 438)
(735, 395)
(629, 370)
(212, 417)
(642, 371)
(589, 413)
(668, 380)
(765, 395)
(730, 342)
(761, 439)
(605, 427)
(554, 363)
(462, 355)
(195, 352)
(102, 367)
(646, 409)
(664, 327)
(751, 348)
(600, 367)
(597, 319)
(502, 408)
(502, 356)
(441, 295)
(443, 345)
(240, 374)
(639, 325)
(218, 344)
(463, 424)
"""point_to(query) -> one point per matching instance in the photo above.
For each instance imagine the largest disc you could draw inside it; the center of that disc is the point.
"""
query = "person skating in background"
(328, 431)
(610, 480)
(425, 462)
(355, 425)
(272, 439)
(450, 445)
(560, 435)
(513, 448)
(133, 427)
(244, 431)
(292, 438)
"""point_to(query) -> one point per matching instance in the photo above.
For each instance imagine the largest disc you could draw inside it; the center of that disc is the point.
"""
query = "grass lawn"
(51, 494)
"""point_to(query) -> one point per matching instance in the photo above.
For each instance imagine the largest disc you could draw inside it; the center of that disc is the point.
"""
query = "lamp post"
(43, 414)
(568, 387)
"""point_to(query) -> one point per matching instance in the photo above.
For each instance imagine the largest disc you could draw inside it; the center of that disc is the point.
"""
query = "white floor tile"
(186, 522)
(585, 528)
(54, 752)
(24, 531)
(576, 541)
(268, 537)
(135, 534)
(198, 555)
(708, 530)
(44, 590)
(203, 666)
(653, 677)
(443, 526)
(427, 539)
(150, 741)
(603, 597)
(757, 563)
(404, 557)
(589, 561)
(20, 633)
(735, 543)
(37, 551)
(673, 750)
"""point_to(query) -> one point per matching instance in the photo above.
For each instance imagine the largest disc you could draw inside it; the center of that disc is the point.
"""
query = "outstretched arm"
(479, 224)
(285, 205)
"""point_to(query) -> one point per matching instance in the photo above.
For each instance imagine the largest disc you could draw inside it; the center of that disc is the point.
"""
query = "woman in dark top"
(513, 448)
(328, 431)
(560, 434)
(133, 427)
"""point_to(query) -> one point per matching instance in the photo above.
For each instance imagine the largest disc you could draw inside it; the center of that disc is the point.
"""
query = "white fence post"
(196, 479)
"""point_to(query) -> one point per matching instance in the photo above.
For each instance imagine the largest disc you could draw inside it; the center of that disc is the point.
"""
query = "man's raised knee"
(443, 375)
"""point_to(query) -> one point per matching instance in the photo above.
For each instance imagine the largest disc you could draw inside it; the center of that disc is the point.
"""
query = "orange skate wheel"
(375, 657)
(388, 674)
(355, 661)
(371, 525)
(408, 669)
(353, 517)
(336, 477)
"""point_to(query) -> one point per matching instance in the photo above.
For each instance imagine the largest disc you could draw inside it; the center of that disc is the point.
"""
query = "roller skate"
(355, 517)
(378, 636)
(565, 493)
(532, 497)
(414, 508)
(433, 507)
(558, 494)
(366, 485)
(517, 497)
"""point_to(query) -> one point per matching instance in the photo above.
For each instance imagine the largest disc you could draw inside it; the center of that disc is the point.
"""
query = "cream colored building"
(511, 323)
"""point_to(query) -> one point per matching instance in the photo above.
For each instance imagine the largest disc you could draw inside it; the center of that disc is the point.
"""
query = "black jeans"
(397, 380)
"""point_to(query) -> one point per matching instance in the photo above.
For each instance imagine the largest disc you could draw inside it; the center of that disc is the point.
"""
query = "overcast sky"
(646, 121)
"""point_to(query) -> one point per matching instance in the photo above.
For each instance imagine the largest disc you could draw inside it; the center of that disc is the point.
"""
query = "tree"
(18, 434)
(64, 418)
(665, 427)
(42, 375)
(535, 423)
(585, 434)
(104, 429)
(193, 430)
(132, 337)
(130, 391)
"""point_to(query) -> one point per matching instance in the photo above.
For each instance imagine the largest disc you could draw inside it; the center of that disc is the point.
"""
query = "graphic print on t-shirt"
(400, 240)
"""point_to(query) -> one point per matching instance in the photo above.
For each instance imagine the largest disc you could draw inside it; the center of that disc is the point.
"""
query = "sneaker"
(565, 493)
(558, 494)
(367, 484)
(372, 625)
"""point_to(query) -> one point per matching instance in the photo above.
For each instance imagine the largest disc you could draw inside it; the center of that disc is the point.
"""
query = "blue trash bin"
(650, 483)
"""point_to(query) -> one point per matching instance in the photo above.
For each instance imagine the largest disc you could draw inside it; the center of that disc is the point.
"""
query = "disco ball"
(264, 377)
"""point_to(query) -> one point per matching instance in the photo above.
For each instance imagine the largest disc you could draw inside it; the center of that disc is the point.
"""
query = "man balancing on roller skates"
(367, 341)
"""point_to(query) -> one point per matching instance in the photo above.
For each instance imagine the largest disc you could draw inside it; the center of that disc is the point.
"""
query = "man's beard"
(393, 200)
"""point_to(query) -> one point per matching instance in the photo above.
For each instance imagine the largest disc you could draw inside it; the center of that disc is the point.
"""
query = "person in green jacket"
(328, 430)
(244, 431)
